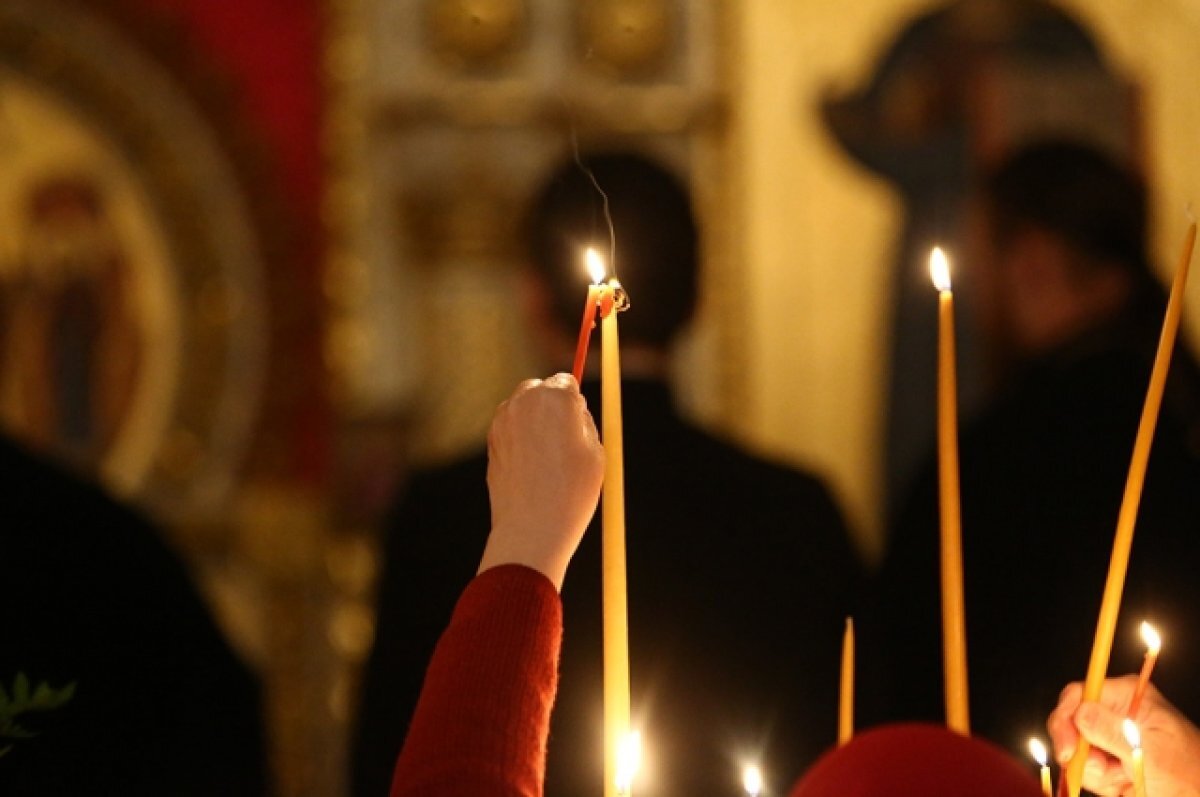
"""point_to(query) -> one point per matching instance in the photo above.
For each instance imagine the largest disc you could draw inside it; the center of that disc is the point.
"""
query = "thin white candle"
(1038, 750)
(1137, 757)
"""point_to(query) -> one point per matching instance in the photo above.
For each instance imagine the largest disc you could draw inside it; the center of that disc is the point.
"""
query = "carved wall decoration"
(477, 32)
(630, 37)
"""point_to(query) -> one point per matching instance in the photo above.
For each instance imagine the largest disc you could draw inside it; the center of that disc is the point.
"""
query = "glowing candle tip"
(752, 780)
(595, 265)
(1132, 734)
(1152, 639)
(939, 269)
(1038, 751)
(629, 760)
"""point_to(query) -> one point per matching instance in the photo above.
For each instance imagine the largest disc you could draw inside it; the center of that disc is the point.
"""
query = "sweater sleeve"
(481, 722)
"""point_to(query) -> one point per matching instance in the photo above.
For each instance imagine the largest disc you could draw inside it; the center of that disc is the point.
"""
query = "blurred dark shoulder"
(99, 613)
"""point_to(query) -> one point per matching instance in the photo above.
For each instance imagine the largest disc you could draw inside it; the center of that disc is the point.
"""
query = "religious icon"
(70, 340)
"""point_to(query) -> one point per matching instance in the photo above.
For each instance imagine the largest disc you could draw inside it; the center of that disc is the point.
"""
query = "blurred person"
(482, 720)
(956, 74)
(1072, 316)
(1170, 742)
(740, 571)
(114, 678)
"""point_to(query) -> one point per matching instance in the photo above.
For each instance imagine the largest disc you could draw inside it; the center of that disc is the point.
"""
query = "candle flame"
(752, 780)
(1132, 734)
(629, 760)
(1038, 751)
(595, 265)
(1151, 638)
(939, 269)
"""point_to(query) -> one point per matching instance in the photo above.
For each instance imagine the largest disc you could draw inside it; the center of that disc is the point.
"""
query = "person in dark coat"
(740, 571)
(1072, 316)
(114, 679)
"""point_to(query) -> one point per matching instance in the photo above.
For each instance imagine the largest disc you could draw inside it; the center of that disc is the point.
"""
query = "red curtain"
(262, 59)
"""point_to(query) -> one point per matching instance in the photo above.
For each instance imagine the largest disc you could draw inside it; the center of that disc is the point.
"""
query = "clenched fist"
(545, 467)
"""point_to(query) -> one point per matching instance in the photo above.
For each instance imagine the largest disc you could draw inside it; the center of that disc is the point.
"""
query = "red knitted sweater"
(481, 723)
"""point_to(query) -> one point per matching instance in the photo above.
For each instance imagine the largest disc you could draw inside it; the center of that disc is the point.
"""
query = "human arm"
(482, 719)
(1170, 741)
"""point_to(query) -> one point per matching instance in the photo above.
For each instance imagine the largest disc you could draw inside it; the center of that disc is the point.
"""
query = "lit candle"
(612, 543)
(1114, 584)
(752, 780)
(954, 631)
(1153, 646)
(846, 694)
(1136, 756)
(1038, 751)
(629, 761)
(595, 268)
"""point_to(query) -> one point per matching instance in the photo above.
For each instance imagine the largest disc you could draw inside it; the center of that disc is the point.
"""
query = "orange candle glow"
(595, 267)
(846, 692)
(1114, 584)
(1153, 646)
(954, 626)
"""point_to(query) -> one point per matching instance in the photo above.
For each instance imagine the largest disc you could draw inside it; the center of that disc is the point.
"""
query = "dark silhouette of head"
(1063, 254)
(1075, 192)
(656, 242)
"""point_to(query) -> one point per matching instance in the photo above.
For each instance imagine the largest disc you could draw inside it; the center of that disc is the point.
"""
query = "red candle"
(595, 295)
(585, 330)
(1153, 646)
